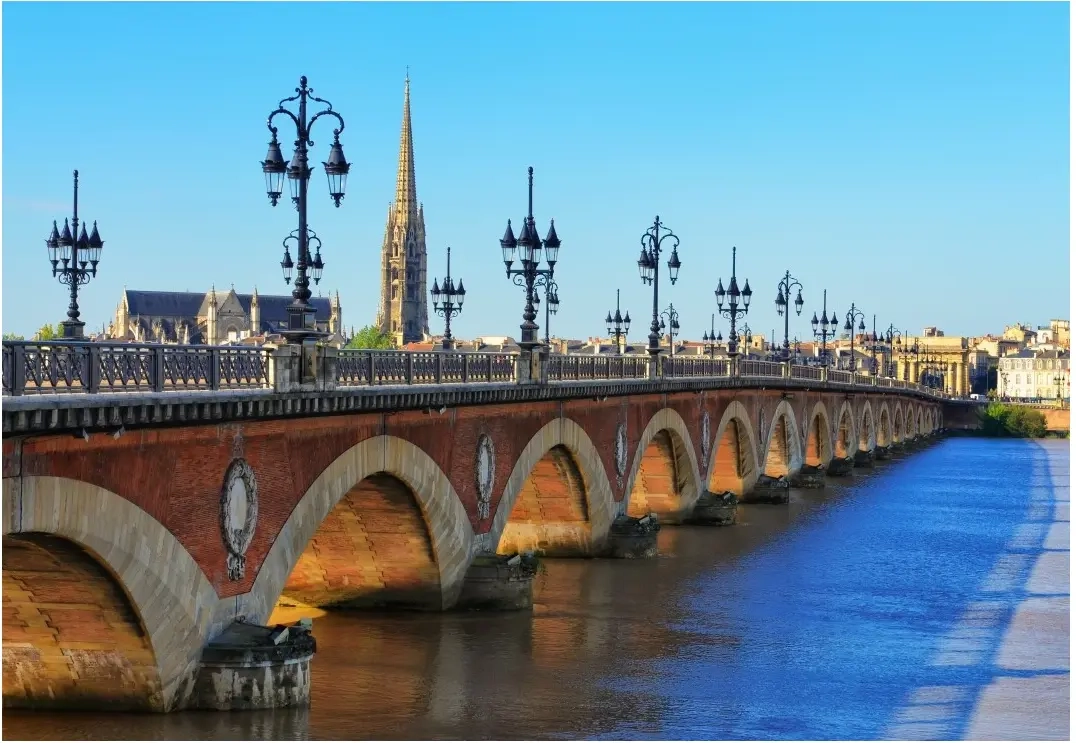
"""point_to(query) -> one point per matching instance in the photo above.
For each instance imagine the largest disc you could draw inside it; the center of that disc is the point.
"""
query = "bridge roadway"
(162, 503)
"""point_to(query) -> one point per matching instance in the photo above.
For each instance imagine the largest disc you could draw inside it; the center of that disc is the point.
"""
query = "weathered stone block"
(839, 466)
(253, 667)
(881, 452)
(633, 537)
(499, 583)
(714, 509)
(768, 490)
(808, 477)
(863, 459)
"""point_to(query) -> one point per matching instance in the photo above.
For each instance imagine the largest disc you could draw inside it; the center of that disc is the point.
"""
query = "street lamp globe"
(336, 170)
(274, 168)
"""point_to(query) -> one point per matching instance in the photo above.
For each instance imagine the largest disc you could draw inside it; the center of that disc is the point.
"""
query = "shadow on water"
(811, 620)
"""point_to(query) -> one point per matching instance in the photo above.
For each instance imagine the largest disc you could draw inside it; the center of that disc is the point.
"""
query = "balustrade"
(51, 367)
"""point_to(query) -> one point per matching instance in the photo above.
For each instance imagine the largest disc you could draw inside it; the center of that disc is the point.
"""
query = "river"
(924, 599)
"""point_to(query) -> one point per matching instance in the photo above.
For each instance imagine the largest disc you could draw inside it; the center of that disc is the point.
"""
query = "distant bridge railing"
(51, 367)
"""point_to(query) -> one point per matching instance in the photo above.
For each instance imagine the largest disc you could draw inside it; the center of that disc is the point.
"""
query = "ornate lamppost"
(674, 325)
(79, 256)
(710, 339)
(734, 295)
(530, 255)
(618, 325)
(301, 314)
(850, 328)
(891, 336)
(784, 298)
(448, 300)
(829, 327)
(747, 338)
(909, 350)
(652, 241)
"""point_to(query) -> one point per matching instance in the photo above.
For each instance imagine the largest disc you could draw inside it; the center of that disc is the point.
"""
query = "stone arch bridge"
(140, 528)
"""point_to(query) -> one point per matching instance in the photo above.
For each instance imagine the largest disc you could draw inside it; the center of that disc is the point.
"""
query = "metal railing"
(33, 368)
(55, 367)
(689, 366)
(568, 367)
(357, 367)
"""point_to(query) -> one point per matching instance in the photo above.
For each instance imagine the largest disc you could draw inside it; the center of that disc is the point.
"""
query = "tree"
(47, 333)
(13, 337)
(370, 337)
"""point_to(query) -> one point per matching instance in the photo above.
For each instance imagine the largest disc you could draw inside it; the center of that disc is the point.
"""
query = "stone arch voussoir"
(845, 410)
(794, 454)
(171, 595)
(735, 411)
(602, 509)
(884, 432)
(825, 440)
(448, 526)
(867, 437)
(689, 485)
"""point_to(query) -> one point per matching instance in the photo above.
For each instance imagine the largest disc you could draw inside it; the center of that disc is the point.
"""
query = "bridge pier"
(863, 458)
(713, 509)
(839, 466)
(808, 477)
(768, 490)
(499, 583)
(631, 538)
(253, 667)
(881, 453)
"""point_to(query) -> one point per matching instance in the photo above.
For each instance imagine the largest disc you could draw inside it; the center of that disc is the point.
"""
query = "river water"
(926, 598)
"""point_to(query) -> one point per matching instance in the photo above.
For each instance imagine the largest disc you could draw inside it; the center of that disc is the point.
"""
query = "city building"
(213, 317)
(1034, 375)
(402, 312)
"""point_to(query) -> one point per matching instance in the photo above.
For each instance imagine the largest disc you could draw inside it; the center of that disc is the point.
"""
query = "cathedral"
(402, 312)
(214, 318)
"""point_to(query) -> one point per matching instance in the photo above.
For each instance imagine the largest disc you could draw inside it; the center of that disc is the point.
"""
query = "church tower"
(403, 312)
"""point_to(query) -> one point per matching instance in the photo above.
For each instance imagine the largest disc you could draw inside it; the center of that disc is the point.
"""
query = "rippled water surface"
(882, 606)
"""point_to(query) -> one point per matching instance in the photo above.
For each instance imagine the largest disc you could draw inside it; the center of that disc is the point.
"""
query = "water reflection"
(811, 620)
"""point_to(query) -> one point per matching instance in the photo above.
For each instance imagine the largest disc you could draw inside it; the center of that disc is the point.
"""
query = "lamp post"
(618, 325)
(530, 255)
(79, 253)
(652, 241)
(850, 328)
(747, 338)
(909, 350)
(674, 325)
(448, 300)
(734, 311)
(710, 339)
(784, 298)
(829, 327)
(300, 313)
(891, 334)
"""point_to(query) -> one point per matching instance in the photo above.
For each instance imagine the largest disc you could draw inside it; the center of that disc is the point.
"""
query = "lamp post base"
(72, 328)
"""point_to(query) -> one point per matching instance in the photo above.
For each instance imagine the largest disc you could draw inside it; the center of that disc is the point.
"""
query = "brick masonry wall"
(71, 638)
(655, 488)
(176, 474)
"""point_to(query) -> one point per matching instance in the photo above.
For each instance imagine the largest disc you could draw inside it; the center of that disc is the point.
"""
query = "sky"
(910, 158)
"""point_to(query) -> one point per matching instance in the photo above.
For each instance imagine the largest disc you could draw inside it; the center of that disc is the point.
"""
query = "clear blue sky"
(912, 158)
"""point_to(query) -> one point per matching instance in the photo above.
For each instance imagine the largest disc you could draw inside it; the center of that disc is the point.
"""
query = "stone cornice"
(35, 414)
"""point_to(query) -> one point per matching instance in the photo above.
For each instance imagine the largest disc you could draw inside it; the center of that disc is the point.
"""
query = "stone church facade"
(402, 311)
(214, 318)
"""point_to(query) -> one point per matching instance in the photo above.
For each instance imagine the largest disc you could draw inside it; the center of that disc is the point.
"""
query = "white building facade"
(1034, 375)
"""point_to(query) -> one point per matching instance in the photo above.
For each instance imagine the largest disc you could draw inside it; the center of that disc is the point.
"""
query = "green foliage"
(13, 337)
(47, 333)
(371, 338)
(1016, 421)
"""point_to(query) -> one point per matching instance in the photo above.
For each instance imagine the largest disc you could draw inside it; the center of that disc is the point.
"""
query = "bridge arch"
(919, 423)
(885, 428)
(784, 453)
(132, 564)
(818, 444)
(898, 423)
(734, 459)
(558, 499)
(866, 427)
(385, 471)
(664, 475)
(845, 434)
